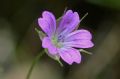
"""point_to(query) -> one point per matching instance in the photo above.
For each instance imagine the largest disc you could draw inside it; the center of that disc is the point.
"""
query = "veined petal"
(47, 23)
(68, 22)
(66, 57)
(75, 55)
(44, 25)
(78, 35)
(79, 43)
(51, 19)
(70, 55)
(46, 43)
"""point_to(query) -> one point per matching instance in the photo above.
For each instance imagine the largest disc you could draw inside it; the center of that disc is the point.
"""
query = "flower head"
(62, 39)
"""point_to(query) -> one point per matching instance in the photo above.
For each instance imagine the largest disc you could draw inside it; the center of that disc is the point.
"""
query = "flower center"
(56, 42)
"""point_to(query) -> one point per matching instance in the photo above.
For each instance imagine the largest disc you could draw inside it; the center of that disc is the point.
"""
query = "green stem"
(33, 64)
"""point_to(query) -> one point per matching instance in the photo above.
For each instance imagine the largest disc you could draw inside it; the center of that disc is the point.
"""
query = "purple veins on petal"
(79, 39)
(70, 55)
(79, 35)
(79, 44)
(51, 19)
(68, 22)
(46, 43)
(47, 23)
(44, 25)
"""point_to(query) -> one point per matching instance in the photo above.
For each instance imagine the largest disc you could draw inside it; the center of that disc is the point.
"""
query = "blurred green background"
(20, 44)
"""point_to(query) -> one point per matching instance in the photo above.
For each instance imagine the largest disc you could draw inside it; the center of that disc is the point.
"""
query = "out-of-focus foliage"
(115, 4)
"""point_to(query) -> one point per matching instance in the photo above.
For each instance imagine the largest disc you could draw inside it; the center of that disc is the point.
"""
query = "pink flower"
(61, 37)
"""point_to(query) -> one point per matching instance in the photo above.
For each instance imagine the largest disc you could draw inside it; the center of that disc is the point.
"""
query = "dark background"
(20, 43)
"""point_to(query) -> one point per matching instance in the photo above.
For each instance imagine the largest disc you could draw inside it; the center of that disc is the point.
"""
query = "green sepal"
(55, 57)
(59, 19)
(82, 50)
(40, 33)
(85, 15)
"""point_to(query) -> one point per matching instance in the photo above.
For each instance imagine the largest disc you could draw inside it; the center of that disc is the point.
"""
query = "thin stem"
(33, 64)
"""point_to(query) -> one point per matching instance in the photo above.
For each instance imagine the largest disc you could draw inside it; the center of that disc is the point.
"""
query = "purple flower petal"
(68, 22)
(79, 44)
(70, 55)
(79, 39)
(79, 35)
(46, 43)
(47, 23)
